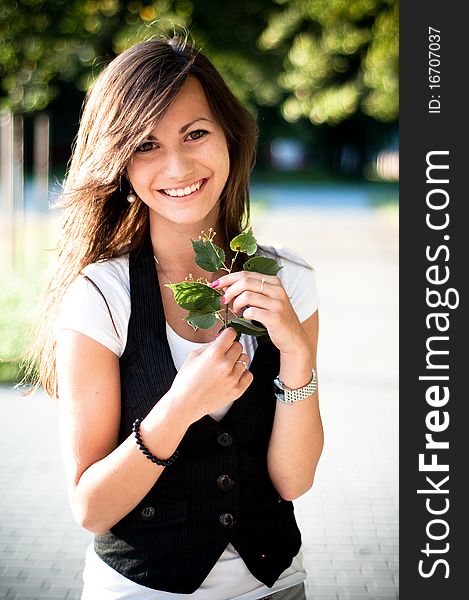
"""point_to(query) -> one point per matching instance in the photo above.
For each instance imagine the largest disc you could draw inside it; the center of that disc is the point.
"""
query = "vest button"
(225, 483)
(148, 513)
(227, 520)
(225, 439)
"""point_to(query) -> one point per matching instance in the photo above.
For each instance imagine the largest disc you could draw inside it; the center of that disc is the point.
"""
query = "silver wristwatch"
(288, 396)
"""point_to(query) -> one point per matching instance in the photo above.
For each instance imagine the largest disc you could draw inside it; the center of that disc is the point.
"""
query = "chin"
(189, 217)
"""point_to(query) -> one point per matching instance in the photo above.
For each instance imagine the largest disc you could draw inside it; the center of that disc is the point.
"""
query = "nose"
(177, 164)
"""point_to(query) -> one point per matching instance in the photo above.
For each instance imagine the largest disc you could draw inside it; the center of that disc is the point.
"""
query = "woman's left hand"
(262, 298)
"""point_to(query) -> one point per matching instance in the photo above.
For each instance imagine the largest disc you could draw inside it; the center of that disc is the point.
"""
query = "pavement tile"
(5, 589)
(13, 581)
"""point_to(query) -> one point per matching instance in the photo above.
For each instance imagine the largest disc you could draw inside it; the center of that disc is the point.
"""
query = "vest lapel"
(148, 319)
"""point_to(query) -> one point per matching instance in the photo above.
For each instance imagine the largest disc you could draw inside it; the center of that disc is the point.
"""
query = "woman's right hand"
(212, 376)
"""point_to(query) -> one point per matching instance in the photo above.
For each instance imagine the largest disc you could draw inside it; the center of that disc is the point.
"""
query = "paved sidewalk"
(348, 519)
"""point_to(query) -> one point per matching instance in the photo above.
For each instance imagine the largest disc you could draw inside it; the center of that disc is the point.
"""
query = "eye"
(146, 147)
(197, 134)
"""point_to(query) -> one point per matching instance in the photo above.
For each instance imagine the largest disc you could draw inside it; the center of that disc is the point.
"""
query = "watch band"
(287, 396)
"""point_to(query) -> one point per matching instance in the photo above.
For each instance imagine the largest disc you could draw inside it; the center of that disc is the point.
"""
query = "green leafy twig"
(203, 302)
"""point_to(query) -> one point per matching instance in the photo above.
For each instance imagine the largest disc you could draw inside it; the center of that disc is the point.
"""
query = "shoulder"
(97, 303)
(112, 273)
(298, 278)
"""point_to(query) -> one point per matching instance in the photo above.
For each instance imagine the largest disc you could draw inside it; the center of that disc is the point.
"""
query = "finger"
(241, 366)
(198, 351)
(231, 278)
(239, 370)
(270, 287)
(225, 339)
(246, 378)
(243, 360)
(234, 353)
(248, 298)
(252, 313)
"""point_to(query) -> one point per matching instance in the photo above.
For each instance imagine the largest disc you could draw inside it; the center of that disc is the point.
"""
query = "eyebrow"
(185, 127)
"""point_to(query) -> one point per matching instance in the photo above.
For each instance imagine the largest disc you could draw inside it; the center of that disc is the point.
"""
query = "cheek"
(138, 173)
(221, 158)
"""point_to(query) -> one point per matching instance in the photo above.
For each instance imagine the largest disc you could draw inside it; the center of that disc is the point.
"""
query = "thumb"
(225, 338)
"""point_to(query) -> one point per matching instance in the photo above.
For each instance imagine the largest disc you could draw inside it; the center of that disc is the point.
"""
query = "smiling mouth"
(185, 191)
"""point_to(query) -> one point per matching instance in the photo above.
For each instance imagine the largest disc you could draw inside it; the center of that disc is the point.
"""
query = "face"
(180, 170)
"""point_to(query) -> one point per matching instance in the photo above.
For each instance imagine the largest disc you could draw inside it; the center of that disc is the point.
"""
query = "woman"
(163, 152)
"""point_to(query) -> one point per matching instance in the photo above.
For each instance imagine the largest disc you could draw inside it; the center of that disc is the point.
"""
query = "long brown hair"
(128, 98)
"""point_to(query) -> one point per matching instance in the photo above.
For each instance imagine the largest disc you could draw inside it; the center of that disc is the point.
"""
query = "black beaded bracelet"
(154, 459)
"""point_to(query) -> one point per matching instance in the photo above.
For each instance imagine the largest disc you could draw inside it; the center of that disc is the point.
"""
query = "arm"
(297, 437)
(105, 480)
(296, 441)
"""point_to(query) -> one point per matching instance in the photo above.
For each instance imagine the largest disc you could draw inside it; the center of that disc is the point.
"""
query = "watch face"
(278, 384)
(279, 391)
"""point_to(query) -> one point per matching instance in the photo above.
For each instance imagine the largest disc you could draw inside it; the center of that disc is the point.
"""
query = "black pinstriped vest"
(218, 491)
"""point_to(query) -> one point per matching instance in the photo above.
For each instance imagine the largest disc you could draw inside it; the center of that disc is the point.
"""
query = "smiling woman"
(181, 446)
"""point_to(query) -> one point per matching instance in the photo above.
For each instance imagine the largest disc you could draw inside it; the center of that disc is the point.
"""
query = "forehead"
(189, 104)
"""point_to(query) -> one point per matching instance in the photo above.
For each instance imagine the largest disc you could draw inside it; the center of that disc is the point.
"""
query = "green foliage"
(262, 264)
(17, 300)
(342, 57)
(194, 295)
(243, 326)
(323, 60)
(208, 256)
(204, 302)
(201, 320)
(46, 43)
(245, 242)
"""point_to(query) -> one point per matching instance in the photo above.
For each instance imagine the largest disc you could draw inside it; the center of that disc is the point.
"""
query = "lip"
(204, 181)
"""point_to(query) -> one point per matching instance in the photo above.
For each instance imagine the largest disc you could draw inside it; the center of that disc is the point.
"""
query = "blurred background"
(321, 77)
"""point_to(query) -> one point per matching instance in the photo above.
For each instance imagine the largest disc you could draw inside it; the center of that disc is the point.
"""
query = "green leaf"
(245, 242)
(262, 264)
(201, 320)
(244, 326)
(192, 295)
(209, 256)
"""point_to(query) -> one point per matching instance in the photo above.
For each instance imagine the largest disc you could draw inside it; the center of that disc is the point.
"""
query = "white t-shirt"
(84, 310)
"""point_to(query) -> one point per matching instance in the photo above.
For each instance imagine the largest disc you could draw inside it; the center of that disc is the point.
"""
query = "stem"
(217, 314)
(225, 316)
(231, 268)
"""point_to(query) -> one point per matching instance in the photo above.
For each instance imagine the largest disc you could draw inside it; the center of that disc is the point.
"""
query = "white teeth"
(183, 191)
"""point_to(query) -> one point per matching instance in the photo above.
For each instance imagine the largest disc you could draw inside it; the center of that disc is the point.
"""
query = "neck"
(172, 244)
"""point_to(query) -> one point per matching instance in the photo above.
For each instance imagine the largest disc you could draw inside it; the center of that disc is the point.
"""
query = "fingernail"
(223, 300)
(215, 283)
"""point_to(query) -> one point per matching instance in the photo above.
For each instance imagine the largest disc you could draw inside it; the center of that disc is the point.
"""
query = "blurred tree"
(293, 62)
(341, 55)
(47, 43)
(341, 58)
